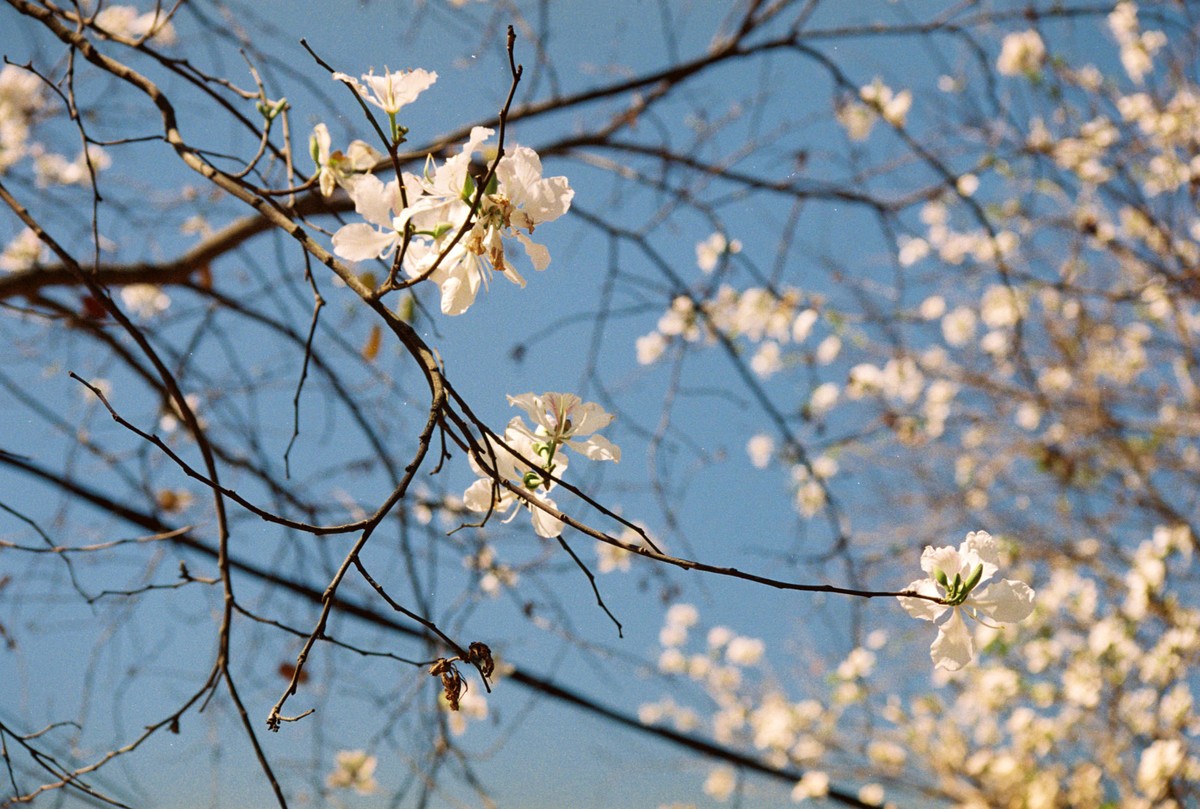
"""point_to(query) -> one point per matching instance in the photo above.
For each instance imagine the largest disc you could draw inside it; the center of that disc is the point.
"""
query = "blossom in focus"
(514, 461)
(355, 770)
(334, 168)
(392, 90)
(517, 200)
(563, 418)
(962, 577)
(377, 202)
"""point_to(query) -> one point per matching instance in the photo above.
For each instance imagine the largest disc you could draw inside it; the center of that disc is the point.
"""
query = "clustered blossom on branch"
(528, 457)
(448, 230)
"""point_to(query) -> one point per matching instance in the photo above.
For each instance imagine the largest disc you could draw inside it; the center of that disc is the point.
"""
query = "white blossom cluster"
(441, 225)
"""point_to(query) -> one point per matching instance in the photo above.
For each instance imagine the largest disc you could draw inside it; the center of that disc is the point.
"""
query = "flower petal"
(945, 558)
(954, 646)
(459, 289)
(919, 607)
(479, 496)
(546, 525)
(1006, 601)
(538, 254)
(597, 448)
(373, 200)
(360, 242)
(589, 417)
(980, 548)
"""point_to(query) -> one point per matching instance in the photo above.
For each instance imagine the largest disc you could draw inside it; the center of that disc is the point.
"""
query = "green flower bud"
(973, 579)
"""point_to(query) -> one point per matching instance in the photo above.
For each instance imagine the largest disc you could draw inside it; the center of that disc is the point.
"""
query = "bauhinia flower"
(962, 577)
(523, 462)
(563, 418)
(378, 203)
(528, 458)
(336, 167)
(392, 90)
(517, 200)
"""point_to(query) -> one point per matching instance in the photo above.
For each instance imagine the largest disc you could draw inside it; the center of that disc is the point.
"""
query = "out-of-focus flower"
(355, 770)
(124, 21)
(892, 107)
(1022, 52)
(709, 251)
(23, 252)
(145, 300)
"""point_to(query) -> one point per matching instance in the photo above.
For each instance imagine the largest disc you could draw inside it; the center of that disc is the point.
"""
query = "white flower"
(814, 784)
(760, 448)
(334, 168)
(520, 200)
(392, 90)
(613, 557)
(823, 398)
(355, 770)
(528, 458)
(563, 418)
(828, 349)
(1021, 52)
(744, 651)
(682, 615)
(767, 361)
(709, 251)
(378, 203)
(55, 169)
(23, 252)
(720, 783)
(892, 107)
(145, 300)
(963, 578)
(514, 462)
(126, 22)
(856, 118)
(650, 347)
